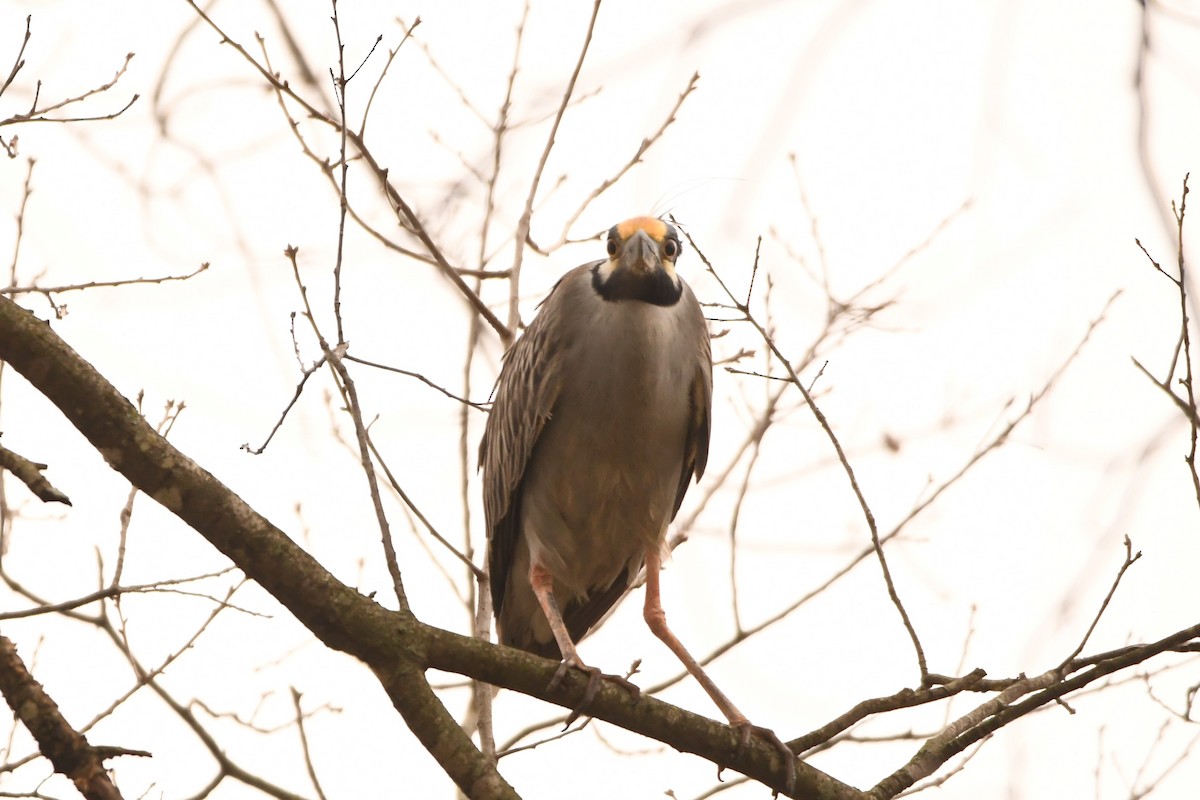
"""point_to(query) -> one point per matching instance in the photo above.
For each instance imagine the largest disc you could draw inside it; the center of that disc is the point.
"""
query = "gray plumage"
(600, 421)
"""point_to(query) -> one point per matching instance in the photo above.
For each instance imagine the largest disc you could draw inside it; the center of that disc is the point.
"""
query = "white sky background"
(897, 113)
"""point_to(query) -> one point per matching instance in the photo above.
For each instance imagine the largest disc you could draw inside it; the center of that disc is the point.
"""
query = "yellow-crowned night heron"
(601, 418)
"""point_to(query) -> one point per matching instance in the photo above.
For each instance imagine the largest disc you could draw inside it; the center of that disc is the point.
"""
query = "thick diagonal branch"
(390, 642)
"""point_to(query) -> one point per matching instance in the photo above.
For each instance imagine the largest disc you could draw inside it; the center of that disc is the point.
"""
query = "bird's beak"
(640, 253)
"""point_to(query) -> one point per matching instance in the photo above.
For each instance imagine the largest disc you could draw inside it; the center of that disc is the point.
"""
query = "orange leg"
(656, 618)
(543, 588)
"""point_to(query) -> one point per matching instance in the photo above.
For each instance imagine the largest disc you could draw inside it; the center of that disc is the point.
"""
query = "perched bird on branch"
(601, 420)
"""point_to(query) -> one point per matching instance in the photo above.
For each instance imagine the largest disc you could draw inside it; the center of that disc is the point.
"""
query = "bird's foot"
(745, 730)
(589, 693)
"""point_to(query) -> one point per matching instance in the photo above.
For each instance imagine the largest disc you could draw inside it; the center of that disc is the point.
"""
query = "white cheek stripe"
(611, 266)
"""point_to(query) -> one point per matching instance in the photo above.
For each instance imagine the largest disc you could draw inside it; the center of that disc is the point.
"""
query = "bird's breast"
(601, 482)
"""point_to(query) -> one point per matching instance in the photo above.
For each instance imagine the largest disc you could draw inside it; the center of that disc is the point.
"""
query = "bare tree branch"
(30, 473)
(743, 308)
(406, 213)
(67, 749)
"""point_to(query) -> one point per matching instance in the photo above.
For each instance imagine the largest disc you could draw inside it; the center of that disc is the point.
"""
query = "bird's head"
(641, 263)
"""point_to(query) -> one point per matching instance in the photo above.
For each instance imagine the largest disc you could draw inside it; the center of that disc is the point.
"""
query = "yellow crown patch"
(654, 227)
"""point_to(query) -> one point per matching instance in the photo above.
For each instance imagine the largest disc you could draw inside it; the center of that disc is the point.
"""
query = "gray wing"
(526, 391)
(695, 452)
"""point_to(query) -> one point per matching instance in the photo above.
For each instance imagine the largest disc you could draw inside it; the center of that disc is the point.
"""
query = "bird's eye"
(671, 248)
(612, 247)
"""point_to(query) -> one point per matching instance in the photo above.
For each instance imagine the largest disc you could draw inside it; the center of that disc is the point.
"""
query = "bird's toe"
(561, 672)
(745, 730)
(593, 685)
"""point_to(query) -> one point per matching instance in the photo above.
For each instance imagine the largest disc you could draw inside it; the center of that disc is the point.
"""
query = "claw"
(746, 730)
(589, 694)
(561, 673)
(593, 685)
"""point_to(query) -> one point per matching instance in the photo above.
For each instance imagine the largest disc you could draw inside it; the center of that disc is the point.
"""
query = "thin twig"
(19, 61)
(1183, 347)
(345, 385)
(442, 540)
(624, 169)
(309, 767)
(339, 92)
(305, 374)
(421, 378)
(77, 287)
(522, 231)
(110, 591)
(1130, 558)
(35, 114)
(391, 57)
